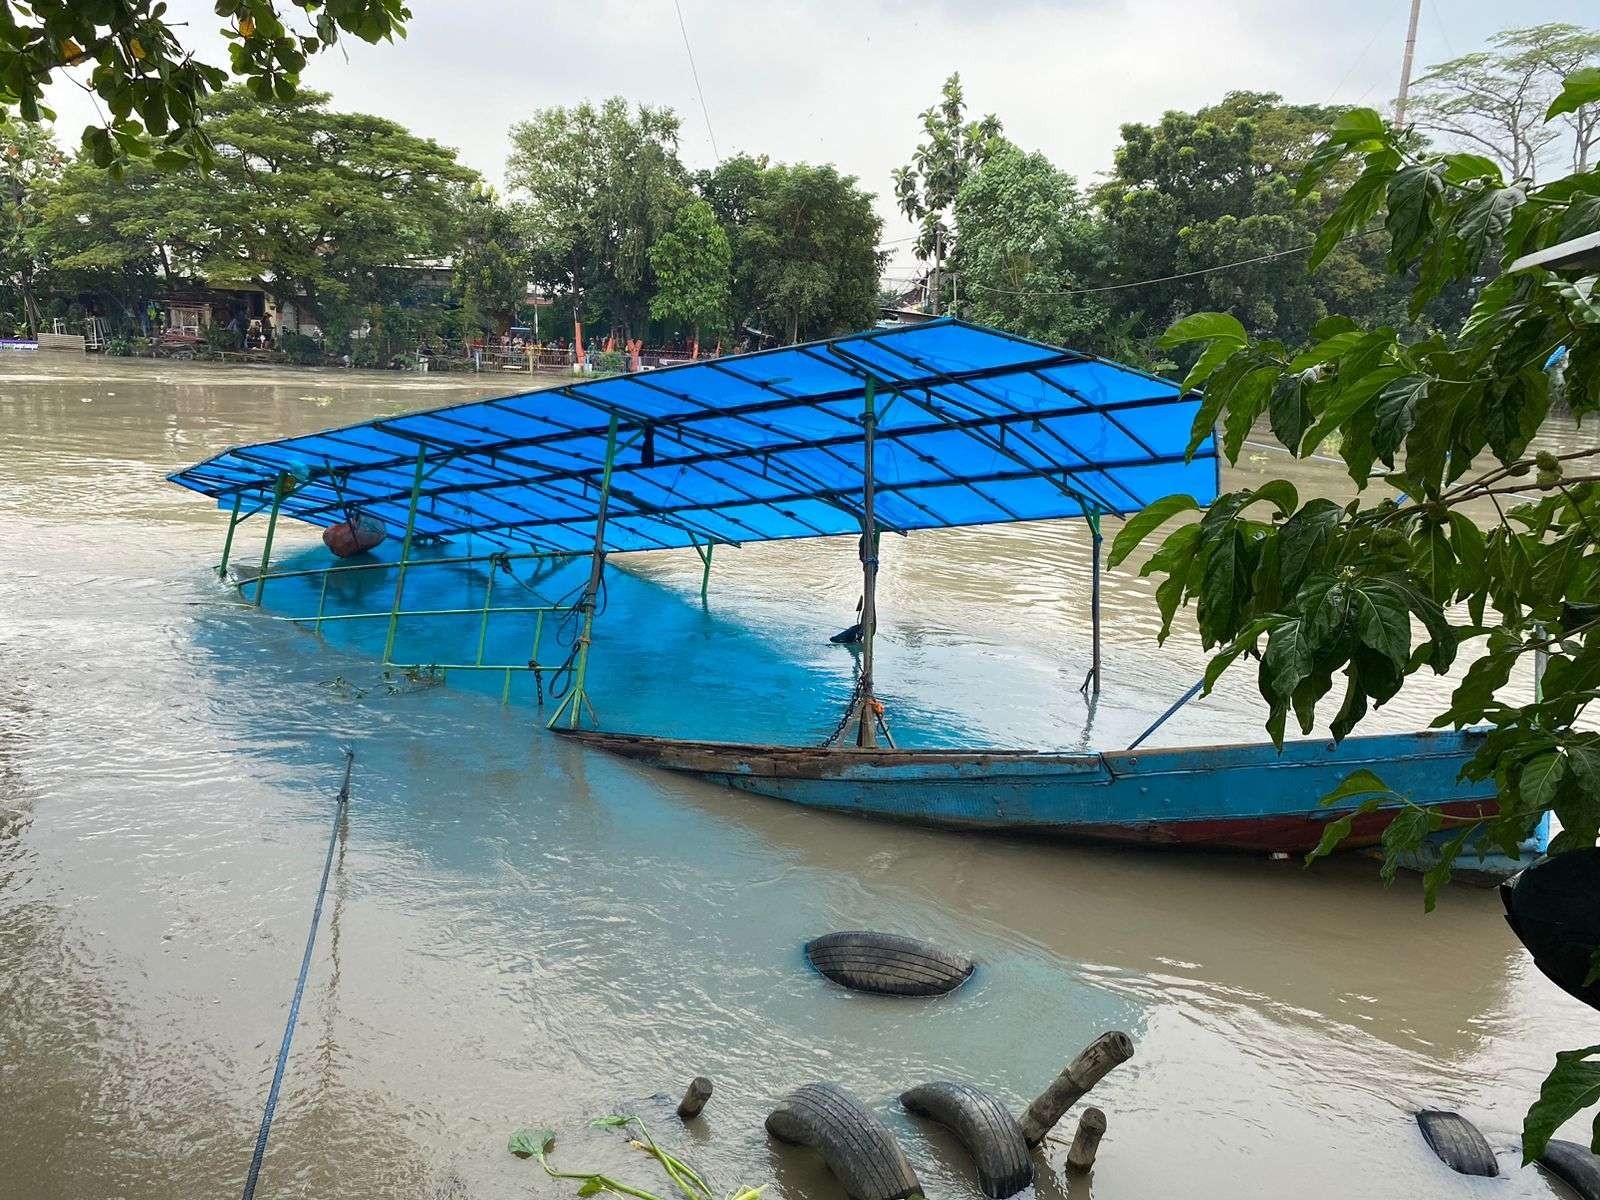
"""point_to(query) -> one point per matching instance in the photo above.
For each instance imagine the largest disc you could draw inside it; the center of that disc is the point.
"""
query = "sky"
(844, 83)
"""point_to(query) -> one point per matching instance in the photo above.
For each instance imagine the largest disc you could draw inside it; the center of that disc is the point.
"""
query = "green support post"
(596, 566)
(227, 543)
(405, 555)
(705, 575)
(867, 728)
(483, 623)
(278, 493)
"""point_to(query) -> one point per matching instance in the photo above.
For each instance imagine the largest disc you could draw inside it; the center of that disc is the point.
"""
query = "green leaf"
(1281, 493)
(1413, 194)
(1290, 410)
(1383, 622)
(1347, 400)
(1205, 326)
(1339, 829)
(1539, 778)
(1145, 522)
(1465, 168)
(1396, 414)
(1579, 88)
(531, 1143)
(1207, 365)
(1404, 835)
(1360, 204)
(1570, 1088)
(1361, 782)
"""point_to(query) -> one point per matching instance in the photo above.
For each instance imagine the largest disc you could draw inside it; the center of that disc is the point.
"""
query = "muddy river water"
(523, 932)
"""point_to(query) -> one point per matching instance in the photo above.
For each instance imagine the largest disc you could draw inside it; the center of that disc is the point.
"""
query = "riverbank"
(519, 932)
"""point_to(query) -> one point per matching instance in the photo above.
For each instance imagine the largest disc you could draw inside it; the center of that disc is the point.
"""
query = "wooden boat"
(1237, 797)
(953, 425)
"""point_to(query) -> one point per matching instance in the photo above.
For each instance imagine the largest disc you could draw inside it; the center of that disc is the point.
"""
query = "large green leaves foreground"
(1457, 523)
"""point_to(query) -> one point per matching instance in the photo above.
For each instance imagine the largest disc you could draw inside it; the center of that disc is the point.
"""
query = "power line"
(695, 72)
(1117, 287)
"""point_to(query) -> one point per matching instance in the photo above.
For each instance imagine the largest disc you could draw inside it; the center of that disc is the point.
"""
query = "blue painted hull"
(1240, 797)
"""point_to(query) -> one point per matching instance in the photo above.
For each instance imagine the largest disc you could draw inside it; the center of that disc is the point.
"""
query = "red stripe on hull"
(1293, 833)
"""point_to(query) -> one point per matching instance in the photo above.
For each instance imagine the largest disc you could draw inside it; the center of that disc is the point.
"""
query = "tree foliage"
(1027, 234)
(952, 148)
(492, 261)
(153, 88)
(311, 205)
(693, 266)
(1198, 192)
(599, 186)
(29, 164)
(1494, 101)
(1463, 535)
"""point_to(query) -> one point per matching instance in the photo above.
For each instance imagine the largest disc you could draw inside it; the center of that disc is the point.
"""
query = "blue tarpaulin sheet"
(974, 426)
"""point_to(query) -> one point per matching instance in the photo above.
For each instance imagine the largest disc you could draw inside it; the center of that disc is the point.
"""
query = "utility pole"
(938, 259)
(1405, 66)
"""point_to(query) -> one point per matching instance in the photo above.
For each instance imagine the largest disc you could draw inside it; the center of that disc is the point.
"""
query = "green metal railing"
(396, 611)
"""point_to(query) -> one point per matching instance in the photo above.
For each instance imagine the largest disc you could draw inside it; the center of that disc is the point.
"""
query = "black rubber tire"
(984, 1126)
(887, 963)
(857, 1147)
(1576, 1166)
(1458, 1143)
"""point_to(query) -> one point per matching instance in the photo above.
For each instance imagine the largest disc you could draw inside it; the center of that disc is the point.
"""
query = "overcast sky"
(844, 82)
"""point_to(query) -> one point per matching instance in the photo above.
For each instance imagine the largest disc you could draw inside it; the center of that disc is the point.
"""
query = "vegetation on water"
(538, 1143)
(1460, 523)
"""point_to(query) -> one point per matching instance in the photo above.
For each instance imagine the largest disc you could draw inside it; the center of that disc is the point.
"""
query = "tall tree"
(600, 185)
(491, 268)
(153, 87)
(1493, 101)
(1027, 238)
(312, 206)
(29, 163)
(693, 266)
(811, 248)
(951, 149)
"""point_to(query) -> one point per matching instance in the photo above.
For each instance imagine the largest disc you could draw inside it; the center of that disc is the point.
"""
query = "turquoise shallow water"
(520, 931)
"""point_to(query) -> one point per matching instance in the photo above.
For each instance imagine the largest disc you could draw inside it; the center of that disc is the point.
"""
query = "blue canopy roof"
(974, 426)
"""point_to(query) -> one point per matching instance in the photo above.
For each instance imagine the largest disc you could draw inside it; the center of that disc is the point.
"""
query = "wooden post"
(1082, 1073)
(1094, 595)
(867, 731)
(597, 566)
(695, 1098)
(1091, 1128)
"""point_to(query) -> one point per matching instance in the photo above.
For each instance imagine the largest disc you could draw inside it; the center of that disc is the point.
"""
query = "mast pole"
(597, 566)
(1405, 66)
(867, 732)
(1094, 594)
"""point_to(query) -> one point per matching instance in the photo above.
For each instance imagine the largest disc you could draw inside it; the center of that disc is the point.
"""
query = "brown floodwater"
(519, 932)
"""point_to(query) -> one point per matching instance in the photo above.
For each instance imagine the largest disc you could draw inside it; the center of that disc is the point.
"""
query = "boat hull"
(1238, 797)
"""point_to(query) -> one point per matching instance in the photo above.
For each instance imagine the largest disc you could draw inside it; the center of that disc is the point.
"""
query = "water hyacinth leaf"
(531, 1143)
(1571, 1087)
(1145, 522)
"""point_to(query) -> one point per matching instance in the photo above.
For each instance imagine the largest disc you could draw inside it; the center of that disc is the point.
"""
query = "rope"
(340, 806)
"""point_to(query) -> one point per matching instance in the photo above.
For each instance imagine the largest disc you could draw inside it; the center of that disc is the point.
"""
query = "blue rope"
(1162, 719)
(299, 988)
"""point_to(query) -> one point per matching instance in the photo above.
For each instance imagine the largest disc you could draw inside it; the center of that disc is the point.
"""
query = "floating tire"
(1458, 1143)
(887, 963)
(984, 1126)
(1576, 1166)
(857, 1147)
